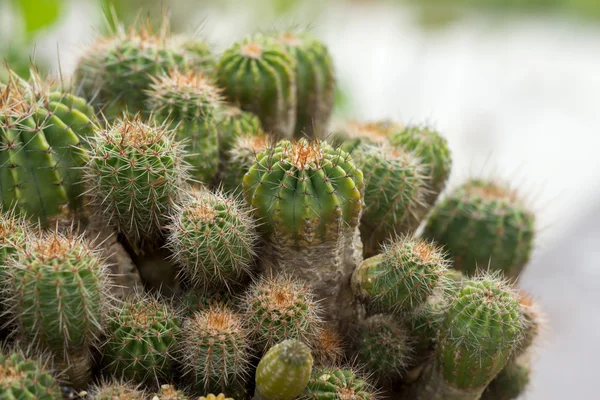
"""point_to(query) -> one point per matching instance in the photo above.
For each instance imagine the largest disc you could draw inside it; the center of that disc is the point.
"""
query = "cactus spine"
(334, 383)
(112, 390)
(233, 123)
(22, 377)
(284, 371)
(257, 74)
(240, 158)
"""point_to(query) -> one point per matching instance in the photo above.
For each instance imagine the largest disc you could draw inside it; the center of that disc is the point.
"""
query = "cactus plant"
(13, 232)
(200, 57)
(338, 384)
(315, 82)
(284, 371)
(240, 158)
(193, 301)
(484, 223)
(22, 377)
(188, 101)
(257, 74)
(327, 348)
(212, 238)
(354, 134)
(111, 390)
(232, 123)
(169, 392)
(510, 383)
(211, 396)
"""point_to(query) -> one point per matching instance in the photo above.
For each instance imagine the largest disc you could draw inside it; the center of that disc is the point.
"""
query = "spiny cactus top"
(305, 192)
(232, 123)
(240, 157)
(258, 75)
(332, 383)
(284, 371)
(354, 134)
(484, 222)
(169, 392)
(115, 390)
(57, 290)
(327, 347)
(13, 232)
(23, 378)
(135, 174)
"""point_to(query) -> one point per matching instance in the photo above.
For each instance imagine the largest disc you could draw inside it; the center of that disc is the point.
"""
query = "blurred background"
(513, 84)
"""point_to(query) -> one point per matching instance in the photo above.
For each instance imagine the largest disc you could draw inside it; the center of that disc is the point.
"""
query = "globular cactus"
(424, 325)
(309, 197)
(212, 237)
(315, 82)
(211, 396)
(233, 123)
(331, 383)
(41, 138)
(188, 101)
(112, 390)
(402, 277)
(484, 224)
(383, 346)
(135, 173)
(510, 383)
(354, 134)
(215, 349)
(327, 348)
(482, 327)
(280, 308)
(169, 392)
(395, 190)
(142, 337)
(22, 377)
(240, 158)
(200, 57)
(257, 74)
(284, 371)
(194, 300)
(13, 232)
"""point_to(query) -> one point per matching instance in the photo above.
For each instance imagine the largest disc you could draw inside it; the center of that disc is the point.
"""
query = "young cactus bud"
(212, 238)
(281, 308)
(510, 383)
(484, 223)
(22, 377)
(240, 158)
(315, 83)
(257, 74)
(142, 339)
(188, 101)
(284, 371)
(402, 277)
(215, 349)
(112, 390)
(231, 124)
(135, 174)
(334, 383)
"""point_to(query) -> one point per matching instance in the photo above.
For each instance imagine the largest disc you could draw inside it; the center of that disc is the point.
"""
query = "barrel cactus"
(22, 377)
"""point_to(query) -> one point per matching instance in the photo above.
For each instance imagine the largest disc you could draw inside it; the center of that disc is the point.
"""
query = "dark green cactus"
(315, 83)
(284, 371)
(257, 74)
(510, 383)
(233, 123)
(484, 224)
(188, 101)
(24, 378)
(142, 339)
(338, 384)
(240, 158)
(212, 238)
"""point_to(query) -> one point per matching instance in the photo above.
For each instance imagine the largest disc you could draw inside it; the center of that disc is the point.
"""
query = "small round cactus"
(200, 57)
(338, 384)
(315, 82)
(142, 339)
(240, 158)
(402, 277)
(169, 392)
(135, 172)
(232, 123)
(484, 224)
(352, 135)
(212, 238)
(188, 101)
(284, 371)
(112, 390)
(215, 349)
(327, 347)
(258, 75)
(281, 308)
(13, 232)
(22, 377)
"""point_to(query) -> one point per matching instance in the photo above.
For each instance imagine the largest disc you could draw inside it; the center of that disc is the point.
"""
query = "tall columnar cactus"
(315, 82)
(482, 328)
(284, 371)
(395, 189)
(402, 277)
(115, 70)
(215, 349)
(142, 339)
(135, 173)
(484, 223)
(22, 377)
(212, 237)
(281, 308)
(335, 383)
(41, 155)
(233, 123)
(188, 101)
(258, 75)
(112, 390)
(240, 158)
(309, 197)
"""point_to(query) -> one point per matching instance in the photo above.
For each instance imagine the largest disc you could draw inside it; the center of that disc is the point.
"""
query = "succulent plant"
(484, 224)
(13, 232)
(200, 57)
(283, 372)
(510, 383)
(352, 135)
(22, 377)
(332, 383)
(169, 392)
(111, 390)
(327, 348)
(233, 123)
(194, 300)
(240, 158)
(257, 74)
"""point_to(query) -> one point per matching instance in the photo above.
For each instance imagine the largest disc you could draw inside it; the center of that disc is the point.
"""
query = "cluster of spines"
(24, 377)
(339, 383)
(115, 389)
(240, 158)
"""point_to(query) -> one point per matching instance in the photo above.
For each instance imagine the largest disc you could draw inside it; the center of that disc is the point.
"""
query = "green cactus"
(233, 123)
(135, 173)
(188, 101)
(212, 238)
(211, 396)
(483, 223)
(510, 383)
(258, 75)
(402, 277)
(333, 383)
(315, 83)
(424, 325)
(13, 232)
(215, 350)
(240, 158)
(284, 371)
(395, 190)
(281, 308)
(24, 378)
(169, 392)
(41, 138)
(199, 53)
(142, 339)
(355, 134)
(113, 390)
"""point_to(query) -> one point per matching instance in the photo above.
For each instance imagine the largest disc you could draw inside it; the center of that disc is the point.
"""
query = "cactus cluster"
(276, 258)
